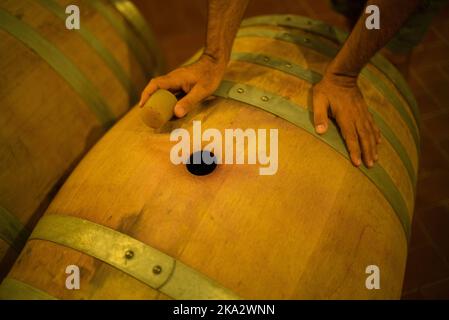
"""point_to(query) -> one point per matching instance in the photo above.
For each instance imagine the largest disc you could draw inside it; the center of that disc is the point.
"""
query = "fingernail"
(376, 157)
(370, 163)
(179, 111)
(320, 128)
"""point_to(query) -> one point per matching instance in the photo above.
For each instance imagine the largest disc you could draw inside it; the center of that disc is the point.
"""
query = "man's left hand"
(341, 95)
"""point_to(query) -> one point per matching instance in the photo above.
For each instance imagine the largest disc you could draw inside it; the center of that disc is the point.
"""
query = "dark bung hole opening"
(202, 163)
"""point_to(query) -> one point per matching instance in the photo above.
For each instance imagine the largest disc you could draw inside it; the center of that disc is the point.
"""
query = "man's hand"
(199, 80)
(338, 89)
(342, 95)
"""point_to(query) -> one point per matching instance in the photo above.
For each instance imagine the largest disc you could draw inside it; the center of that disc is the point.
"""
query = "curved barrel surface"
(139, 226)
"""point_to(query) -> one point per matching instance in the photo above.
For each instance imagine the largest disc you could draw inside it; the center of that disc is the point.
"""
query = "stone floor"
(180, 28)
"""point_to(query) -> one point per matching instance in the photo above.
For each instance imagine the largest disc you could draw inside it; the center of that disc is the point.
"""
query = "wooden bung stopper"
(158, 109)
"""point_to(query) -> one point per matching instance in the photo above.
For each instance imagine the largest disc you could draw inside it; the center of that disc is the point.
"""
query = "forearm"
(224, 17)
(362, 44)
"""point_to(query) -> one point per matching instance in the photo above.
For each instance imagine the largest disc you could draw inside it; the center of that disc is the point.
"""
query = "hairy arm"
(223, 21)
(362, 44)
(338, 89)
(200, 79)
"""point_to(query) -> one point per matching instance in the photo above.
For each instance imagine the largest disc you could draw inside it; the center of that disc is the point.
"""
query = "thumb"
(320, 107)
(195, 96)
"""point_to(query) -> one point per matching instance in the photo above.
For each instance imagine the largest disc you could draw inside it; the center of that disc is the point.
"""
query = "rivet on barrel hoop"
(129, 254)
(264, 98)
(240, 90)
(266, 59)
(288, 65)
(157, 269)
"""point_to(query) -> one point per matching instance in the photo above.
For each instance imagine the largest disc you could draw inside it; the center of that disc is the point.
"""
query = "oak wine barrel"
(140, 227)
(60, 90)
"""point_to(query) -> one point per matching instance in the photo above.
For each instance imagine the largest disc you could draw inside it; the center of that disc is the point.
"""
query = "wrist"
(338, 74)
(341, 78)
(212, 66)
(210, 70)
(216, 57)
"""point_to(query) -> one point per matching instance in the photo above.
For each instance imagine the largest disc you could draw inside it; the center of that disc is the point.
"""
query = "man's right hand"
(198, 80)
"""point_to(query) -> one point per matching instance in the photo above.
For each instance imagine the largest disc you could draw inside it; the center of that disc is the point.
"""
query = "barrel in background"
(60, 90)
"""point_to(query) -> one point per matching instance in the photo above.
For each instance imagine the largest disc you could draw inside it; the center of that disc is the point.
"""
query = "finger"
(148, 91)
(352, 143)
(195, 96)
(372, 137)
(366, 139)
(186, 87)
(375, 128)
(164, 82)
(320, 108)
(376, 131)
(376, 137)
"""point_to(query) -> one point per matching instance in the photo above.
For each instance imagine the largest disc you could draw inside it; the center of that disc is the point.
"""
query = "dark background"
(180, 27)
